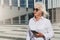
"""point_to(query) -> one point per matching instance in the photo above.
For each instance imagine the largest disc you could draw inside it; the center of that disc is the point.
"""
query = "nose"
(34, 11)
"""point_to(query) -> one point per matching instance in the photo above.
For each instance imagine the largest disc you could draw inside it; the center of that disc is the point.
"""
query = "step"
(12, 27)
(24, 30)
(15, 33)
(5, 39)
(55, 39)
(56, 35)
(15, 25)
(12, 35)
(57, 32)
(56, 26)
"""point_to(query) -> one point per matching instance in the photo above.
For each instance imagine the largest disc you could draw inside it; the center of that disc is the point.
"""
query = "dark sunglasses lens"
(36, 9)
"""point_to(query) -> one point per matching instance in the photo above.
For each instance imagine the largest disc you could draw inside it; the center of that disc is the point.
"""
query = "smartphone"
(34, 32)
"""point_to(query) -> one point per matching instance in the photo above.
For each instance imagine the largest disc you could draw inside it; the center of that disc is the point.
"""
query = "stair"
(56, 28)
(13, 31)
(19, 31)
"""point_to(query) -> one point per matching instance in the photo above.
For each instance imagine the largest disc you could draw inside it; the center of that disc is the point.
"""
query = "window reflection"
(15, 2)
(22, 3)
(38, 0)
(30, 3)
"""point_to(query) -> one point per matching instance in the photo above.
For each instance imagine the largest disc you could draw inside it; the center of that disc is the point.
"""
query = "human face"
(37, 11)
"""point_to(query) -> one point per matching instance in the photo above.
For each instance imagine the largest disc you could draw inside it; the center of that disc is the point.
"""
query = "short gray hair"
(43, 8)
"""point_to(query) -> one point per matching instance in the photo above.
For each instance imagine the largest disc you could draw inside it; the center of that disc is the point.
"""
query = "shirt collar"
(39, 19)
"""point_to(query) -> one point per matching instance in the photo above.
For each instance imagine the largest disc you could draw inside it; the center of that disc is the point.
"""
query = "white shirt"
(43, 25)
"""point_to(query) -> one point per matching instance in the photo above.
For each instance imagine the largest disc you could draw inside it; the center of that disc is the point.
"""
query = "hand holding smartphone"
(37, 34)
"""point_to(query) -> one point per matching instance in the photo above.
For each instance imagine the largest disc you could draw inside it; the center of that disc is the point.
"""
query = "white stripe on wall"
(18, 3)
(10, 2)
(49, 4)
(56, 3)
(34, 2)
(26, 3)
(2, 2)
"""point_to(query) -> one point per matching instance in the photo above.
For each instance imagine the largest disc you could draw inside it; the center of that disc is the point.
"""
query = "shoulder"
(46, 20)
(31, 20)
(47, 23)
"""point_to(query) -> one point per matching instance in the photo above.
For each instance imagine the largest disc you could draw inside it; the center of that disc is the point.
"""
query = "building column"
(27, 11)
(26, 5)
(10, 3)
(52, 11)
(11, 20)
(56, 9)
(18, 4)
(19, 20)
(44, 1)
(34, 2)
(48, 14)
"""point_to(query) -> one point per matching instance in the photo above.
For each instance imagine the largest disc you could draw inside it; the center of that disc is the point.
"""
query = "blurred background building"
(54, 10)
(20, 11)
(15, 11)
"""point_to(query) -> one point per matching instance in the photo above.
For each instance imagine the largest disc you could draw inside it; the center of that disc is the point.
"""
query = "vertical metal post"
(46, 5)
(26, 12)
(10, 4)
(11, 20)
(52, 10)
(18, 4)
(19, 20)
(34, 1)
(56, 8)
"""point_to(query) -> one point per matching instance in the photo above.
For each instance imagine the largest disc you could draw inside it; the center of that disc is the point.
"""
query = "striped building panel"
(54, 3)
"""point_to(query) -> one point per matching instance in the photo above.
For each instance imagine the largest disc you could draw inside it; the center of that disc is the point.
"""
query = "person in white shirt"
(40, 28)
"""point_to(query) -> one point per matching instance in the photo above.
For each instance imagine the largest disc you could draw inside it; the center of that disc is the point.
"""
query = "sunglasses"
(36, 9)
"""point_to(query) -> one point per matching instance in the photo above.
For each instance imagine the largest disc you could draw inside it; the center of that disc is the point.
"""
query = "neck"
(37, 18)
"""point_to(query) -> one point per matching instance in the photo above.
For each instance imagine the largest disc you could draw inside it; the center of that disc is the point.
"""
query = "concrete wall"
(6, 12)
(55, 3)
(58, 15)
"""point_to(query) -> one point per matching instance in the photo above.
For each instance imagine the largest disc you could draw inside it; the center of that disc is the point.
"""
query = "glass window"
(23, 19)
(8, 21)
(38, 0)
(50, 14)
(22, 3)
(46, 4)
(54, 14)
(15, 2)
(6, 2)
(16, 20)
(30, 3)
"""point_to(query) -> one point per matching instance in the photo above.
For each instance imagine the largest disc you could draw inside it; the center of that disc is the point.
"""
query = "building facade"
(20, 11)
(16, 11)
(54, 10)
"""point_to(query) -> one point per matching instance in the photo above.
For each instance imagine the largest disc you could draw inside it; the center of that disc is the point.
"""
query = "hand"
(39, 35)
